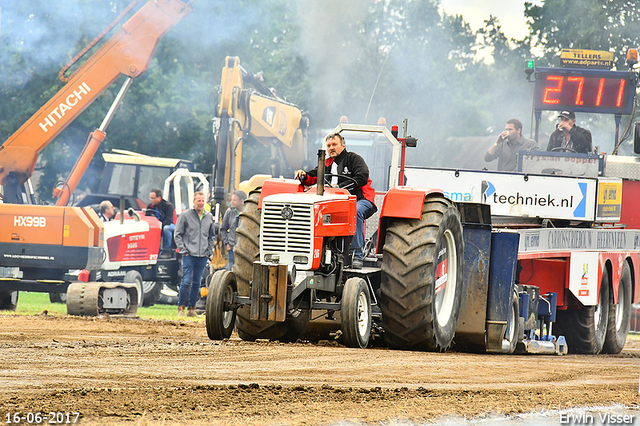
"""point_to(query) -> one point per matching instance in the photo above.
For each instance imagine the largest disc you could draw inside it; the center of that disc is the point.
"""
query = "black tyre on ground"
(168, 296)
(8, 300)
(585, 328)
(247, 251)
(618, 323)
(355, 313)
(151, 291)
(58, 297)
(422, 277)
(220, 315)
(134, 277)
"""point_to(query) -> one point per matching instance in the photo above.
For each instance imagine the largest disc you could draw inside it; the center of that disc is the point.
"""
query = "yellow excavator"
(246, 107)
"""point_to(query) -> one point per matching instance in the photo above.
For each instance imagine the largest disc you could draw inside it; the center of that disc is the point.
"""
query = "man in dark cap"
(568, 136)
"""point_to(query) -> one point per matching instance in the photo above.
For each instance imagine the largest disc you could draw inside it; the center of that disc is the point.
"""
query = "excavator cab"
(133, 176)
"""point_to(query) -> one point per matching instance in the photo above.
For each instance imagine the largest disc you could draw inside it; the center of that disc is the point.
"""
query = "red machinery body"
(401, 202)
(138, 246)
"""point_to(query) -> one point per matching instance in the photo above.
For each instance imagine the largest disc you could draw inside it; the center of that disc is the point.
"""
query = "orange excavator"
(40, 245)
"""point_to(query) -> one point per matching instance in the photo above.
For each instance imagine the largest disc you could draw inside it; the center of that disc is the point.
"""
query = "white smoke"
(329, 44)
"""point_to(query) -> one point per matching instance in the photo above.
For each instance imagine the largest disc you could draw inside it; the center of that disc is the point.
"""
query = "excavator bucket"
(99, 298)
(219, 258)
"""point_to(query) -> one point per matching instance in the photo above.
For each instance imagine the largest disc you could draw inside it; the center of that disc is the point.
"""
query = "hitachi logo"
(59, 111)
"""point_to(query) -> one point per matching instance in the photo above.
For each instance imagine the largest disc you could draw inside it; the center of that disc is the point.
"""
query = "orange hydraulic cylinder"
(94, 141)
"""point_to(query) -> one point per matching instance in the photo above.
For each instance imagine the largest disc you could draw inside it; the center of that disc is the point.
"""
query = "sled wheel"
(618, 323)
(585, 328)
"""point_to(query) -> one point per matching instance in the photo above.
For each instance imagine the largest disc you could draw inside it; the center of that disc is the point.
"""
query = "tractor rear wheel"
(618, 324)
(585, 328)
(247, 251)
(422, 270)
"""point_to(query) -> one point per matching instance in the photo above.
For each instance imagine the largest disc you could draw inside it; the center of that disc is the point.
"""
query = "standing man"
(163, 210)
(106, 212)
(568, 136)
(506, 147)
(195, 238)
(347, 170)
(230, 223)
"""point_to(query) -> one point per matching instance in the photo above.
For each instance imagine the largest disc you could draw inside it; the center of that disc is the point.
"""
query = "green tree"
(613, 25)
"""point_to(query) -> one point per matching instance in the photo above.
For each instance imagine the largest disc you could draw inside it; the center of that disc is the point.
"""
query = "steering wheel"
(327, 182)
(561, 149)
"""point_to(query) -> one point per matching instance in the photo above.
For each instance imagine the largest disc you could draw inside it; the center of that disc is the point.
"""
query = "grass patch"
(30, 303)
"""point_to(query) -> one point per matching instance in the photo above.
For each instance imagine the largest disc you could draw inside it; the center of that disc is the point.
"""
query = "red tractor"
(291, 256)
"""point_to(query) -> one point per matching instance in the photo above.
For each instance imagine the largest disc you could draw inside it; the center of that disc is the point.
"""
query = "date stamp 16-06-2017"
(47, 417)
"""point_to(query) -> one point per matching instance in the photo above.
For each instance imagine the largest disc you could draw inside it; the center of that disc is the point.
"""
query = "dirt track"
(139, 372)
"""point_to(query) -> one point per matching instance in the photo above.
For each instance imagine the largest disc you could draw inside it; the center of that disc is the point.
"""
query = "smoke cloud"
(330, 45)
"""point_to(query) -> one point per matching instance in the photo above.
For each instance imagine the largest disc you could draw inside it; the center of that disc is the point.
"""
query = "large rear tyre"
(220, 315)
(355, 313)
(8, 300)
(422, 271)
(585, 328)
(134, 277)
(247, 251)
(151, 291)
(618, 323)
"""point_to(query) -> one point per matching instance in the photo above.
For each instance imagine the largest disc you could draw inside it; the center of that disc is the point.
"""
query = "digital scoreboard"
(585, 90)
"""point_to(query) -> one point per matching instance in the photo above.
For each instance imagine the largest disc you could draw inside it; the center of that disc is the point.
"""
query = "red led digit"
(580, 81)
(600, 90)
(557, 89)
(620, 92)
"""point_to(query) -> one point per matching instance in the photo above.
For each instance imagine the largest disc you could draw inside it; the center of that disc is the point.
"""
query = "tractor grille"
(280, 235)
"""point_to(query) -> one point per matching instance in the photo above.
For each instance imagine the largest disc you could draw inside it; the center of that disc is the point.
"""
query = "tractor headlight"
(300, 259)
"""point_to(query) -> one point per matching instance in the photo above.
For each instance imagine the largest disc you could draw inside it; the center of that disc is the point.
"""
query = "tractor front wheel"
(220, 314)
(355, 313)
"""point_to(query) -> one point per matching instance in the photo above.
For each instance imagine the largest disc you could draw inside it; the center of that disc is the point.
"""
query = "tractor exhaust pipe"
(320, 183)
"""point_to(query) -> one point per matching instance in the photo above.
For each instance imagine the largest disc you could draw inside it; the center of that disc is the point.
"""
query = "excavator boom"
(128, 52)
(247, 107)
(42, 244)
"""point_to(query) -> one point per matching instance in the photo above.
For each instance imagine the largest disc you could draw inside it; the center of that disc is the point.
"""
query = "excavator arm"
(128, 52)
(247, 107)
(40, 245)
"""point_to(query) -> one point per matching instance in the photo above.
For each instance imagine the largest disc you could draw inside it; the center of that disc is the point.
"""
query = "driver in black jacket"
(342, 165)
(570, 137)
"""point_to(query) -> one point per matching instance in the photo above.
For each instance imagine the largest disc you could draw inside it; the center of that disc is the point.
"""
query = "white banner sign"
(578, 239)
(555, 197)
